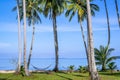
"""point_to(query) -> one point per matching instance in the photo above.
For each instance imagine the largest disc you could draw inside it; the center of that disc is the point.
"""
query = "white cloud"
(12, 27)
(104, 29)
(38, 28)
(103, 21)
(60, 29)
(5, 45)
(8, 27)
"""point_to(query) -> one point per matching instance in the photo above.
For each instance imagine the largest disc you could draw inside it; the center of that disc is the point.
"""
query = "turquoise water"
(10, 64)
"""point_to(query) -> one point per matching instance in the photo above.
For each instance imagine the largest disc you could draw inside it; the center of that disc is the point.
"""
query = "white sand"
(7, 71)
(13, 71)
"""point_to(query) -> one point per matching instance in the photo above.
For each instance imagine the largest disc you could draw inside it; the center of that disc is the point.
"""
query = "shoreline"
(7, 71)
(13, 71)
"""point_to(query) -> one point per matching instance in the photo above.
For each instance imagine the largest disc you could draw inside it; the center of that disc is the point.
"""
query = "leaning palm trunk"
(19, 40)
(25, 63)
(108, 23)
(55, 43)
(118, 16)
(93, 70)
(31, 48)
(85, 45)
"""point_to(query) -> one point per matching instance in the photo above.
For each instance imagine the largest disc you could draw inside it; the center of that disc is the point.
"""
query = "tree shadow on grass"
(109, 74)
(4, 79)
(64, 77)
(63, 72)
(78, 75)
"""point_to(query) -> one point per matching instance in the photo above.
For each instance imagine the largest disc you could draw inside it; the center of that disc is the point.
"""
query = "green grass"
(59, 76)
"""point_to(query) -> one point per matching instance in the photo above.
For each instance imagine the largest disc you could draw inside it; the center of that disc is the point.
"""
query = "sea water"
(10, 64)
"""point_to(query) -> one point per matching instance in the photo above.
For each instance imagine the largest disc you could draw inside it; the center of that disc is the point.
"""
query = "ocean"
(10, 64)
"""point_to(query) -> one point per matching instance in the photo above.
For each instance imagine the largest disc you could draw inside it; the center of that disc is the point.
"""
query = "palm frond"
(112, 58)
(98, 63)
(79, 7)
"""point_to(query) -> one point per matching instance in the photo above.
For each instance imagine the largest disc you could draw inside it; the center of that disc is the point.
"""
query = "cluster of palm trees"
(30, 10)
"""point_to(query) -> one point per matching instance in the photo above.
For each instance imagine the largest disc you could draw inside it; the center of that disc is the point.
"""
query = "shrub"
(71, 68)
(83, 69)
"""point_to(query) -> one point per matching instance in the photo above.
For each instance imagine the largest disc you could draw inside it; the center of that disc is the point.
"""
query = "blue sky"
(69, 35)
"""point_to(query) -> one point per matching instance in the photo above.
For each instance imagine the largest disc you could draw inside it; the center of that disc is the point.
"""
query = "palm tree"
(112, 66)
(80, 8)
(83, 69)
(24, 16)
(54, 8)
(33, 17)
(103, 56)
(108, 24)
(19, 40)
(118, 16)
(32, 14)
(71, 68)
(92, 65)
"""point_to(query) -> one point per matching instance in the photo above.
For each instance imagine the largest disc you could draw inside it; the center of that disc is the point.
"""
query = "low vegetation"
(60, 76)
(104, 58)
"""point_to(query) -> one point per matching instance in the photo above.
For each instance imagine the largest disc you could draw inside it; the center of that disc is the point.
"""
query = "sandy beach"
(12, 71)
(7, 71)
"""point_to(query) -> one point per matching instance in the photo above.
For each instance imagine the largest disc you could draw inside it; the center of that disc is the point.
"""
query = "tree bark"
(118, 16)
(31, 48)
(24, 14)
(19, 40)
(85, 45)
(55, 43)
(93, 70)
(103, 67)
(108, 23)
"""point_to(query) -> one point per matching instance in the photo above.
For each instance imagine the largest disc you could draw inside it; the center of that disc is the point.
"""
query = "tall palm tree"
(79, 7)
(33, 17)
(32, 14)
(19, 40)
(118, 16)
(103, 56)
(54, 8)
(108, 24)
(92, 65)
(24, 16)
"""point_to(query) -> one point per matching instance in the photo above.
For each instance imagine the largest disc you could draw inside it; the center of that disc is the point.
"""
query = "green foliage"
(60, 76)
(83, 69)
(33, 10)
(112, 66)
(79, 7)
(103, 56)
(22, 71)
(53, 7)
(71, 68)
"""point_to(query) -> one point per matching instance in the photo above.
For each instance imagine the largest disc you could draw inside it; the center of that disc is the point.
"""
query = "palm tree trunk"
(103, 67)
(93, 70)
(24, 14)
(31, 48)
(85, 45)
(55, 43)
(19, 40)
(118, 16)
(108, 23)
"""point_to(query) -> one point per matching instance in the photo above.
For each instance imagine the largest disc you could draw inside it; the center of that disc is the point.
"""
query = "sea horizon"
(10, 64)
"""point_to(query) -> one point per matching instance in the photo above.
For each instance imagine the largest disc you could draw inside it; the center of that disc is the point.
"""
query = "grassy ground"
(59, 76)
